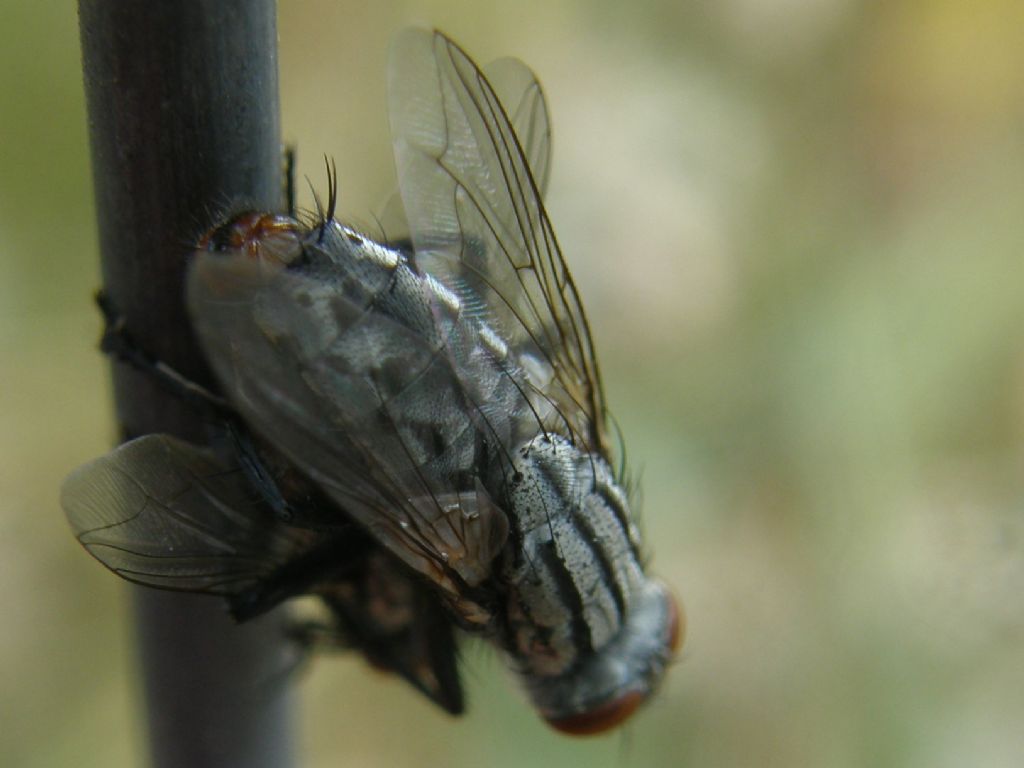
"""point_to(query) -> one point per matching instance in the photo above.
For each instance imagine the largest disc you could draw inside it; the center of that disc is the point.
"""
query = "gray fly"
(430, 429)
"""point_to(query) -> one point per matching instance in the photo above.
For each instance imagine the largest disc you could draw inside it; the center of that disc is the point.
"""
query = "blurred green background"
(799, 227)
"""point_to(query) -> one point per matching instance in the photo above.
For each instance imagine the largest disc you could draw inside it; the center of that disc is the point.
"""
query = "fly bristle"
(332, 187)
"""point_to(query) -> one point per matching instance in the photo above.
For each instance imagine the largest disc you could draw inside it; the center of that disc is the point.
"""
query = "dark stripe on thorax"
(568, 595)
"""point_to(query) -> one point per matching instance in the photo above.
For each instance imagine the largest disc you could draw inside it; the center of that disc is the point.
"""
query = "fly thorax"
(574, 573)
(591, 634)
(370, 275)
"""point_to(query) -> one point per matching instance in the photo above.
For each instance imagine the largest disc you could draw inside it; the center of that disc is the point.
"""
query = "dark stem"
(183, 121)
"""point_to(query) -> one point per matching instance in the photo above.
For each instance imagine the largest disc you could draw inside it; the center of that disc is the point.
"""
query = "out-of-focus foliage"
(798, 228)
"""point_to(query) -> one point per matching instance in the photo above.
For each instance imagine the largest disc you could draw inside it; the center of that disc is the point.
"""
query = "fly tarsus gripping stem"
(118, 342)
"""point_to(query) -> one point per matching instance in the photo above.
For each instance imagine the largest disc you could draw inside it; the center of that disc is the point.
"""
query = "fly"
(435, 398)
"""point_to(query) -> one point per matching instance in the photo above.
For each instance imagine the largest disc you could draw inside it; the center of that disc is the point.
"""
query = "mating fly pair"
(420, 433)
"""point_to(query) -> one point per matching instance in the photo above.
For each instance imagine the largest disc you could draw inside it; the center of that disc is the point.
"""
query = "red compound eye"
(676, 624)
(616, 711)
(260, 236)
(601, 719)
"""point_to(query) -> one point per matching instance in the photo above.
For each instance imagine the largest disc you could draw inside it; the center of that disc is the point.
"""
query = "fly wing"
(519, 91)
(366, 407)
(162, 512)
(476, 218)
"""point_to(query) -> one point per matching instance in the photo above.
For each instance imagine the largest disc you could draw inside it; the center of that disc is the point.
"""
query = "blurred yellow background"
(799, 228)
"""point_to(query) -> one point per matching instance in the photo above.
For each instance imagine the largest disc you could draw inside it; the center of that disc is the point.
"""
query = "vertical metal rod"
(183, 120)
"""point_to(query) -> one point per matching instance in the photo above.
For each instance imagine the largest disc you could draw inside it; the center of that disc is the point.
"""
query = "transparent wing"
(520, 95)
(476, 218)
(365, 407)
(519, 92)
(165, 513)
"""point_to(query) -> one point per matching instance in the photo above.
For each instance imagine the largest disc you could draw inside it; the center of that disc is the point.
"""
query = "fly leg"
(336, 565)
(423, 652)
(312, 635)
(304, 639)
(118, 342)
